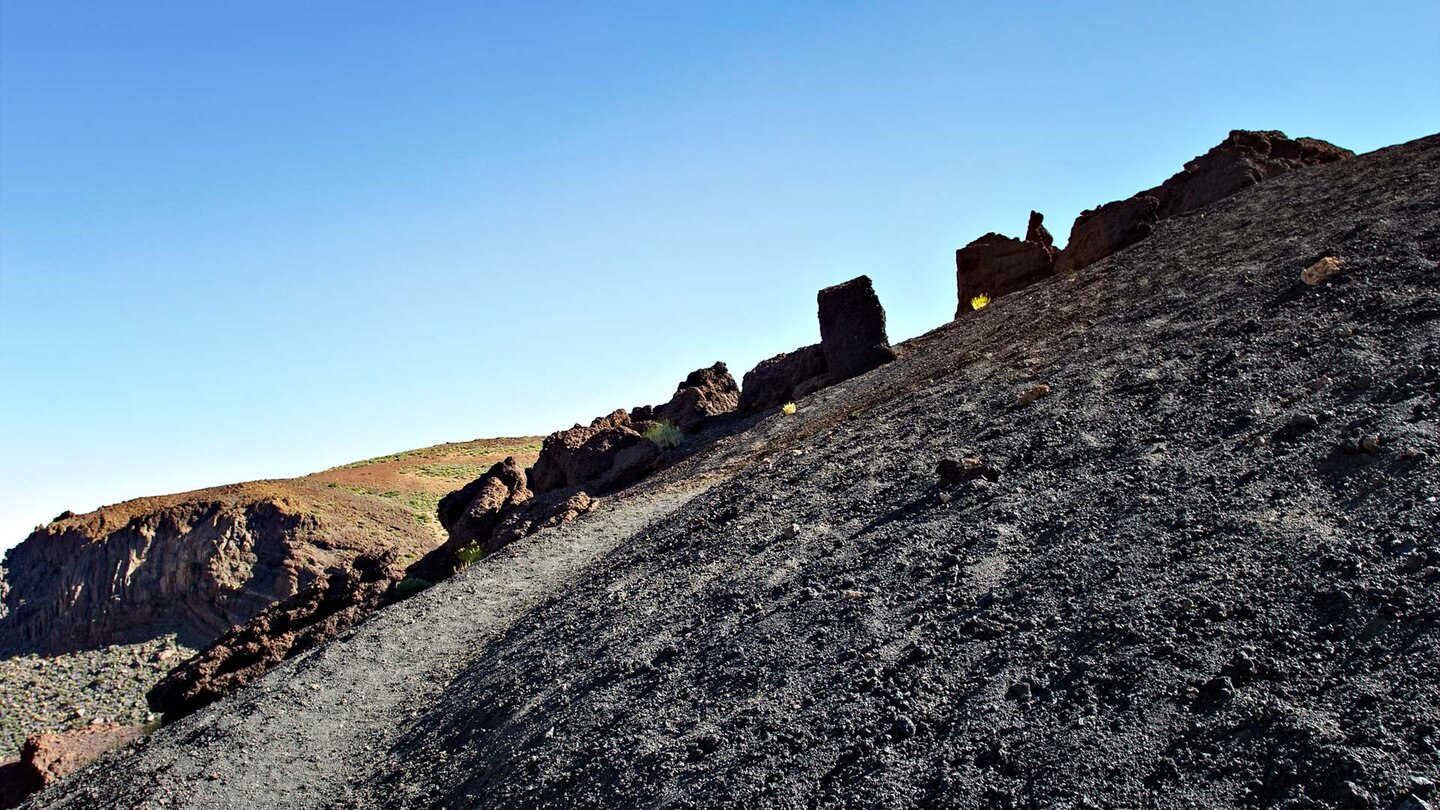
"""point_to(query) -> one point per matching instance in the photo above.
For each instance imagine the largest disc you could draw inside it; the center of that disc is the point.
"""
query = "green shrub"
(665, 435)
(468, 554)
(409, 586)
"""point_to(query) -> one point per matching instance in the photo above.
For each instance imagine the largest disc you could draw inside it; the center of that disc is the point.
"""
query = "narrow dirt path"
(300, 736)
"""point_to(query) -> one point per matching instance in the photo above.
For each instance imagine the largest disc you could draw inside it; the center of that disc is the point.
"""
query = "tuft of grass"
(980, 301)
(788, 409)
(409, 586)
(665, 435)
(469, 555)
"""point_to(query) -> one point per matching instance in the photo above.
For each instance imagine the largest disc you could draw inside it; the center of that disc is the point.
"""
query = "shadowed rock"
(490, 497)
(995, 265)
(852, 329)
(774, 382)
(705, 393)
(1037, 232)
(1101, 231)
(50, 757)
(561, 464)
(546, 511)
(1243, 159)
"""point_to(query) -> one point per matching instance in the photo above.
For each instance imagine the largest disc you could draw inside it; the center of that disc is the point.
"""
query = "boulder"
(995, 265)
(1037, 232)
(316, 614)
(491, 497)
(852, 329)
(774, 382)
(49, 757)
(705, 393)
(542, 512)
(558, 466)
(1099, 232)
(1243, 159)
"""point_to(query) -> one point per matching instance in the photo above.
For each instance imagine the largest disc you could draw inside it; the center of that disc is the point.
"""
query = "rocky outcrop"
(773, 382)
(852, 329)
(316, 614)
(1099, 232)
(193, 564)
(705, 393)
(486, 500)
(996, 265)
(543, 512)
(1036, 231)
(48, 758)
(562, 463)
(1243, 159)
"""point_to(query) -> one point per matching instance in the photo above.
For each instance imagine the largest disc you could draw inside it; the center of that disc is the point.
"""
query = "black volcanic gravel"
(1206, 571)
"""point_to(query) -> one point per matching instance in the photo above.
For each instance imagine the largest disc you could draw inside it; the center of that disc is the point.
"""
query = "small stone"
(1370, 443)
(1415, 561)
(946, 497)
(1412, 454)
(1304, 421)
(903, 728)
(793, 530)
(1032, 394)
(1019, 691)
(1322, 271)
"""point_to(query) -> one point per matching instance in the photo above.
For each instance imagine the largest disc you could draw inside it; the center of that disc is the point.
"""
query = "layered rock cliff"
(193, 564)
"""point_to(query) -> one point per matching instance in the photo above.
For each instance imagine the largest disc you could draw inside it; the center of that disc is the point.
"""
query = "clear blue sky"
(248, 240)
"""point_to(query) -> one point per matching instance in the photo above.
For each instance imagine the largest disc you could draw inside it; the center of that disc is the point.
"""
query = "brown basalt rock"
(705, 393)
(490, 497)
(852, 329)
(54, 756)
(774, 382)
(995, 265)
(49, 757)
(1243, 159)
(1099, 232)
(1037, 232)
(559, 465)
(543, 512)
(316, 614)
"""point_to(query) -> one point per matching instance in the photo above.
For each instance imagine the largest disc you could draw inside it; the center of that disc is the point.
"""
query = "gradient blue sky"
(249, 240)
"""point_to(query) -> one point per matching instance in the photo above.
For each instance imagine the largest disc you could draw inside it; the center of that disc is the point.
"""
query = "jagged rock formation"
(319, 612)
(1243, 159)
(774, 382)
(193, 564)
(705, 393)
(996, 265)
(852, 341)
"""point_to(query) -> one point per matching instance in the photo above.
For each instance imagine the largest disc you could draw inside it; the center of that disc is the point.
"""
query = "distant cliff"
(193, 564)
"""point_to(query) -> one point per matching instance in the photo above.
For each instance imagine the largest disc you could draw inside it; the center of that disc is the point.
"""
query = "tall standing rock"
(852, 329)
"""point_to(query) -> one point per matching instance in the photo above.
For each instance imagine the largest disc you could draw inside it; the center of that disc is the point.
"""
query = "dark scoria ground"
(1184, 590)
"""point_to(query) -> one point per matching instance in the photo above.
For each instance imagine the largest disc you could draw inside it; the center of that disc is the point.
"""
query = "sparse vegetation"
(788, 409)
(450, 471)
(980, 301)
(476, 448)
(665, 435)
(468, 555)
(408, 587)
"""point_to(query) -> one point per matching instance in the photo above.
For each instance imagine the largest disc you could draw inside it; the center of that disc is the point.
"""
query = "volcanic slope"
(1203, 575)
